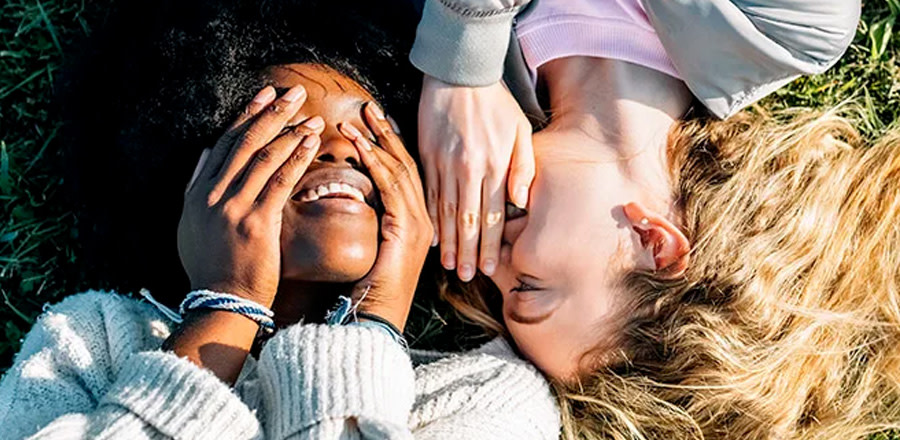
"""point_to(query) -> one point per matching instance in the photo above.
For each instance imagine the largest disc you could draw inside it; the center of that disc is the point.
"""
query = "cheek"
(552, 351)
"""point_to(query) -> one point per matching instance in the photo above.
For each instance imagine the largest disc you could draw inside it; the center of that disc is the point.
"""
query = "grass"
(37, 244)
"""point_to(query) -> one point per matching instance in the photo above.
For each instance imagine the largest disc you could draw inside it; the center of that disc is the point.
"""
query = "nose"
(337, 150)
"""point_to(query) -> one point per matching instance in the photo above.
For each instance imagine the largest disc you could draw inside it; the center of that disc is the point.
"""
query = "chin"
(328, 263)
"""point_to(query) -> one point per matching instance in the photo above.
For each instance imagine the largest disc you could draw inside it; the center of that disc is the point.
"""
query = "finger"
(493, 204)
(204, 156)
(432, 201)
(226, 142)
(447, 218)
(271, 157)
(379, 165)
(521, 167)
(469, 225)
(280, 186)
(384, 132)
(266, 127)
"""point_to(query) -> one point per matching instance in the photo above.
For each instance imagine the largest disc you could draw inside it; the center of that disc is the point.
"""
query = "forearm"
(218, 341)
(464, 42)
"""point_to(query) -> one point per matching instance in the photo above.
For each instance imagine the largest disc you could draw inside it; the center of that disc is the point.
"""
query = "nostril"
(326, 157)
(354, 162)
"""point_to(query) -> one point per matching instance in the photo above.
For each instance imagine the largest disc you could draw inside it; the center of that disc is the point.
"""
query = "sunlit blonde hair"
(787, 323)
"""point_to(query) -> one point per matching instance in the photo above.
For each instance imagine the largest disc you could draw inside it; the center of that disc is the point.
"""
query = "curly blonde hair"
(786, 325)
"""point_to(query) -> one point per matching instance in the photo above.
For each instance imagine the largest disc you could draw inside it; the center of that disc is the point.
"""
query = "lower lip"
(349, 206)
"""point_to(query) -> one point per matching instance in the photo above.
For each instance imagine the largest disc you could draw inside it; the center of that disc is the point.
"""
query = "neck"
(305, 300)
(623, 105)
(621, 112)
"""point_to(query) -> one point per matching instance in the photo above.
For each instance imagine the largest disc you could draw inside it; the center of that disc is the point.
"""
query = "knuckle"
(251, 136)
(469, 220)
(230, 212)
(448, 208)
(263, 156)
(493, 219)
(280, 179)
(296, 158)
(276, 108)
(248, 227)
(433, 197)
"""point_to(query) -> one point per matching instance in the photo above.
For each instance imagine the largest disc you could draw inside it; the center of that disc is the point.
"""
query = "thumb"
(521, 167)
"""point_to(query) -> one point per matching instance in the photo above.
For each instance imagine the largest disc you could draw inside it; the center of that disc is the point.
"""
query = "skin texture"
(475, 145)
(240, 220)
(599, 208)
(332, 240)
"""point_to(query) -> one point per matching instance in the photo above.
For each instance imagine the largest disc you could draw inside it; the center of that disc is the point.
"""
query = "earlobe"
(668, 246)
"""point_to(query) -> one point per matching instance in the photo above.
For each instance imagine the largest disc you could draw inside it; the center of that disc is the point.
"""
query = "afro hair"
(161, 81)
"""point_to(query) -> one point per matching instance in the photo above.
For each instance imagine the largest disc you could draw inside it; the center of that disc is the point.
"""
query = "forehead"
(323, 84)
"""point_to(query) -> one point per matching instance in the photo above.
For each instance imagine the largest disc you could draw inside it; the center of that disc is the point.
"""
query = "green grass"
(37, 244)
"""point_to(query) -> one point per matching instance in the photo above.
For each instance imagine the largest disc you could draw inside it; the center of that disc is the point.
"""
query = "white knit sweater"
(92, 368)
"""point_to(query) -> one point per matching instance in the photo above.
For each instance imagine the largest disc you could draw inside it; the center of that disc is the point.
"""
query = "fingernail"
(466, 272)
(315, 123)
(350, 131)
(310, 142)
(489, 267)
(376, 110)
(353, 134)
(435, 240)
(265, 95)
(521, 196)
(449, 261)
(294, 94)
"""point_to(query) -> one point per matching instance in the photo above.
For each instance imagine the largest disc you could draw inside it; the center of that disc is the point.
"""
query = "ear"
(666, 243)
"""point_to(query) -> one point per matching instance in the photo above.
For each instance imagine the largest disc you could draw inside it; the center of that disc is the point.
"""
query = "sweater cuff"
(317, 374)
(180, 399)
(462, 47)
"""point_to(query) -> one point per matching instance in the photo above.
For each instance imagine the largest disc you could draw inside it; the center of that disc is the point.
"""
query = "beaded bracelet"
(209, 300)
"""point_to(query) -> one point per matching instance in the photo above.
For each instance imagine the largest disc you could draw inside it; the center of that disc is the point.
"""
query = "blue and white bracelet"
(345, 313)
(209, 300)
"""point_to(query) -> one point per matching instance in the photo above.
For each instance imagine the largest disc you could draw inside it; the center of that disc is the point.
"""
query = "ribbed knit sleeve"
(88, 369)
(333, 382)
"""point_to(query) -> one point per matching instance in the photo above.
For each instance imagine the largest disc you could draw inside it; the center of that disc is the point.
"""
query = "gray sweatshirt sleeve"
(732, 53)
(464, 41)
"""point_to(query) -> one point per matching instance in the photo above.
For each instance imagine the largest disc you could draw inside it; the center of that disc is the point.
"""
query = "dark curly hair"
(161, 81)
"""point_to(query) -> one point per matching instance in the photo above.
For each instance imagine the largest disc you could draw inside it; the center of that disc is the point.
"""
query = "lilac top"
(614, 29)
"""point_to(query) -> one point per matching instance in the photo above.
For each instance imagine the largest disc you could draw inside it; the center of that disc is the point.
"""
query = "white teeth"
(309, 196)
(333, 188)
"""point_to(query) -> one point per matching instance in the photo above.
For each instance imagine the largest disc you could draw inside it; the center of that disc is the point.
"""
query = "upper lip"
(328, 175)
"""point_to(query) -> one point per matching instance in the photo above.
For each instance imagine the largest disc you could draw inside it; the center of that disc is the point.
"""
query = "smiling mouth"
(331, 190)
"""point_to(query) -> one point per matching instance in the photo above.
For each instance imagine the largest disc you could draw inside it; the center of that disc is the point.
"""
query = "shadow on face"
(330, 225)
(562, 261)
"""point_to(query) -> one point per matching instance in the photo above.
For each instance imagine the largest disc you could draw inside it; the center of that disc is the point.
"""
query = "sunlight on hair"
(787, 322)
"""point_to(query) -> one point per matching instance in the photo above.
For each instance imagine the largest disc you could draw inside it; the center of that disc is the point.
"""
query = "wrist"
(216, 340)
(395, 317)
(262, 296)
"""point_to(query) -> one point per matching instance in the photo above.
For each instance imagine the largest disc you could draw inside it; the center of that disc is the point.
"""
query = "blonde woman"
(781, 321)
